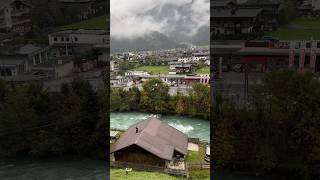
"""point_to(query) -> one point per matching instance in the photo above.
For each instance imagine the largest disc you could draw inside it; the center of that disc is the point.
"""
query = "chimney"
(137, 130)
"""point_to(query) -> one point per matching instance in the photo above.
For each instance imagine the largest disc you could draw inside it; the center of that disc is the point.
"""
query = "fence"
(199, 165)
(149, 168)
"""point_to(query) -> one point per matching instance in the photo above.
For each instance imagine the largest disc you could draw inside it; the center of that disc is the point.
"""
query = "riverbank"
(154, 97)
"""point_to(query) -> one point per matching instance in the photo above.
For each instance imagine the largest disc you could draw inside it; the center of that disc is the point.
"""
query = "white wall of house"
(74, 38)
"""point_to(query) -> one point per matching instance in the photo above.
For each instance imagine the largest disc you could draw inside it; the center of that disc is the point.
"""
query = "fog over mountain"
(159, 23)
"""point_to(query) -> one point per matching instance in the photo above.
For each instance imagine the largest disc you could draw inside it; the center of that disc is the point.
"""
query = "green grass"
(153, 69)
(199, 174)
(203, 70)
(93, 23)
(305, 29)
(193, 157)
(308, 23)
(285, 34)
(120, 174)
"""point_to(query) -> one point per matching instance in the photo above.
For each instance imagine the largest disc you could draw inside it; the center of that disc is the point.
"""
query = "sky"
(135, 18)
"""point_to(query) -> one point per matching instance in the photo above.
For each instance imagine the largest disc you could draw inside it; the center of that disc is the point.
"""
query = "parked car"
(207, 156)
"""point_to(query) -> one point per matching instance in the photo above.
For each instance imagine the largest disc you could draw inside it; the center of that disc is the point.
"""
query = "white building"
(136, 73)
(185, 60)
(67, 42)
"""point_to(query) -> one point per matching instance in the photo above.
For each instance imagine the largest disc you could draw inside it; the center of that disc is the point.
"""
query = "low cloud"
(132, 19)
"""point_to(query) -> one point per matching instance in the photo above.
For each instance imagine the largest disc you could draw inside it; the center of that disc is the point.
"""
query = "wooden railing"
(199, 165)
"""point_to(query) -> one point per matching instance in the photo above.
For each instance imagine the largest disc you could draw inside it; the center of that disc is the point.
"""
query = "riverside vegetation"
(278, 132)
(155, 98)
(36, 122)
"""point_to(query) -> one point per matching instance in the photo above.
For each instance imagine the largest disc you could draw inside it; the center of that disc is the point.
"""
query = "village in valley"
(179, 68)
(58, 54)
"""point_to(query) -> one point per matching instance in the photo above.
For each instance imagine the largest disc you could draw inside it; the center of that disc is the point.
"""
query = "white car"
(207, 156)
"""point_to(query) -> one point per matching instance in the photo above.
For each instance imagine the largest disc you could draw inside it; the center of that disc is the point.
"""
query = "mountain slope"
(152, 41)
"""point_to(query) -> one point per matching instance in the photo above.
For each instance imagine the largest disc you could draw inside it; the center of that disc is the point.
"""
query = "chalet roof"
(156, 137)
(239, 13)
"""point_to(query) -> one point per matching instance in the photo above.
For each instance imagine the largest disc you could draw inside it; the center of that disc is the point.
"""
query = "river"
(53, 169)
(196, 128)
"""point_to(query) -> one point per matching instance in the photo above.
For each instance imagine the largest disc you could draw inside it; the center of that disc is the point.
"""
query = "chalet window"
(318, 44)
(62, 38)
(55, 39)
(67, 39)
(308, 45)
(75, 39)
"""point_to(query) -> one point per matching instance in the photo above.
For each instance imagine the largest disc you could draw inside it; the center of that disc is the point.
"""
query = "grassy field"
(199, 174)
(299, 29)
(204, 70)
(120, 174)
(93, 23)
(153, 69)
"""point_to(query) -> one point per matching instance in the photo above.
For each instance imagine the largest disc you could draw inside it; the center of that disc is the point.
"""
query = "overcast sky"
(135, 18)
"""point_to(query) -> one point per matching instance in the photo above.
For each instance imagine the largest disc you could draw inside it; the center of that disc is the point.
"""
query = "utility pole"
(246, 82)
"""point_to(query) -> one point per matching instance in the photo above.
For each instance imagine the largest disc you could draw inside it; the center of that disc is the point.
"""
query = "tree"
(17, 118)
(134, 97)
(155, 96)
(199, 99)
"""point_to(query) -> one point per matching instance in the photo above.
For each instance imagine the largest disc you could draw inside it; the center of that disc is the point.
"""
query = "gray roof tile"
(156, 137)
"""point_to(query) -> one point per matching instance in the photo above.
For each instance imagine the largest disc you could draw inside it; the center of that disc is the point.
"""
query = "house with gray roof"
(151, 142)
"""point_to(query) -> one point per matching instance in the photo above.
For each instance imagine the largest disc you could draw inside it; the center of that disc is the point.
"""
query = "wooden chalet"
(151, 142)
